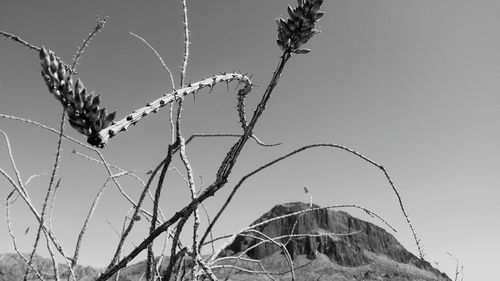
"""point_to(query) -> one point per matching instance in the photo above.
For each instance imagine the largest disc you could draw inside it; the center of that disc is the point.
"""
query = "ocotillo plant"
(88, 117)
(94, 122)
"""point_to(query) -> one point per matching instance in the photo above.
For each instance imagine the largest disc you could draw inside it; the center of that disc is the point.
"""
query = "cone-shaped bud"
(79, 87)
(57, 95)
(95, 101)
(300, 26)
(302, 51)
(61, 72)
(70, 110)
(45, 65)
(68, 95)
(318, 15)
(102, 114)
(87, 102)
(78, 122)
(54, 64)
(93, 114)
(43, 53)
(78, 102)
(299, 13)
(315, 7)
(97, 126)
(109, 119)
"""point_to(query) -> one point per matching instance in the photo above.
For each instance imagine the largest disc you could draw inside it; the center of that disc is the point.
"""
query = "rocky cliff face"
(349, 251)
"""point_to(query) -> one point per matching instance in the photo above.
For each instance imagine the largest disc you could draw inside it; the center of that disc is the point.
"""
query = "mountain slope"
(372, 251)
(370, 254)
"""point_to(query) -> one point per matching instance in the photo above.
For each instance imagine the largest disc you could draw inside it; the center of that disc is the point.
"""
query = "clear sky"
(414, 85)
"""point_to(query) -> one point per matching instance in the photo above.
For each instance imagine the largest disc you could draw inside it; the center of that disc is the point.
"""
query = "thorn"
(148, 104)
(130, 117)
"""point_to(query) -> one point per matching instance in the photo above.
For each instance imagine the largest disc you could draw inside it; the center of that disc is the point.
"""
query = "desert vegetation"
(198, 259)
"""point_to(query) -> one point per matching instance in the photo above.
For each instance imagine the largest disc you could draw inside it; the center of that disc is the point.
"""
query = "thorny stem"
(13, 237)
(349, 150)
(158, 56)
(49, 190)
(168, 160)
(53, 258)
(221, 177)
(19, 40)
(89, 216)
(173, 255)
(97, 28)
(186, 43)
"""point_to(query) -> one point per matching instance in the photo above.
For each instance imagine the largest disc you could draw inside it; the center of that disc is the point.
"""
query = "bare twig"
(221, 176)
(19, 40)
(85, 43)
(173, 255)
(49, 189)
(55, 266)
(344, 148)
(52, 130)
(14, 241)
(89, 216)
(158, 56)
(13, 163)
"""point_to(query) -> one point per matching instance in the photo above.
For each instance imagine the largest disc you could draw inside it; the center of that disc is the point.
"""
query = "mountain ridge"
(369, 253)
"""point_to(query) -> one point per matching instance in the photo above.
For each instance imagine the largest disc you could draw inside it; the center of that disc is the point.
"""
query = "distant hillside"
(371, 254)
(12, 268)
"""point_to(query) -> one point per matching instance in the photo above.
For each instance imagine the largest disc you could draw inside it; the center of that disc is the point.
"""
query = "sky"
(413, 85)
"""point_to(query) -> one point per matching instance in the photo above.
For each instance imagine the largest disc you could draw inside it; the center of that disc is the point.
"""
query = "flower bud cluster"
(83, 109)
(300, 27)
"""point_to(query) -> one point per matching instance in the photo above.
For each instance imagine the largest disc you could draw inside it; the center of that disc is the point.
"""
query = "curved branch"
(154, 106)
(384, 171)
(158, 56)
